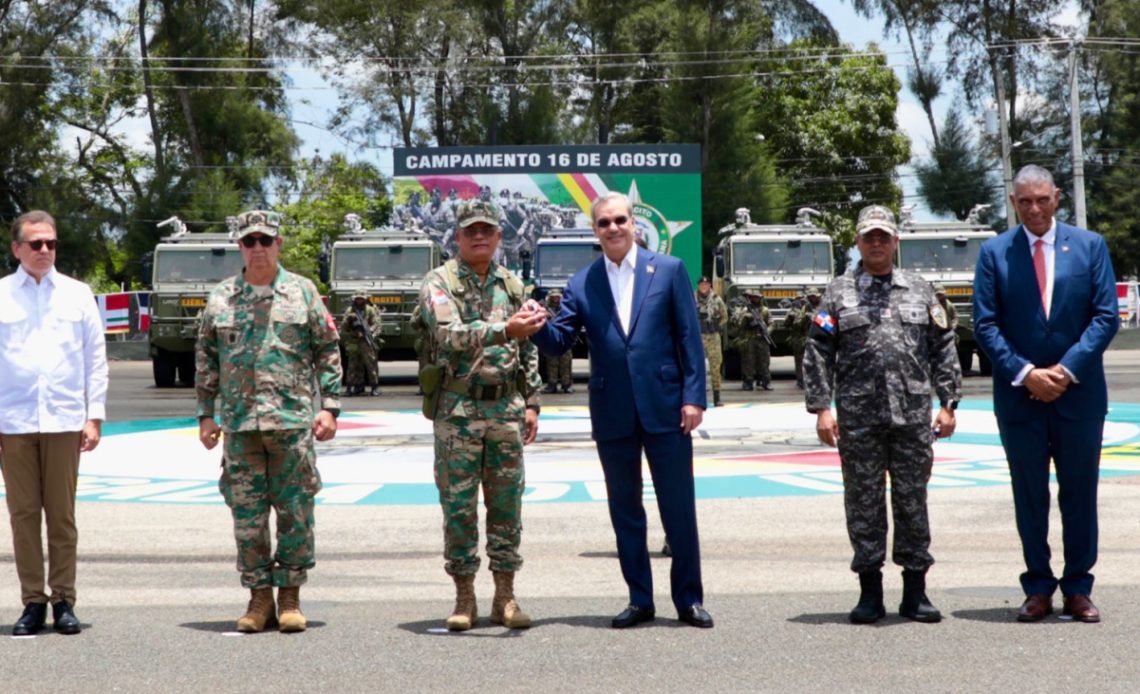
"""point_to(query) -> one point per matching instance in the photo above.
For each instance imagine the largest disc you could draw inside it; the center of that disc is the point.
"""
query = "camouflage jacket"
(884, 347)
(354, 339)
(798, 320)
(712, 313)
(468, 333)
(744, 321)
(274, 361)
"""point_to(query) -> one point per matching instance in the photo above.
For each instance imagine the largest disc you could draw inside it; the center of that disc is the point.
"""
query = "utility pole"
(1078, 148)
(1006, 164)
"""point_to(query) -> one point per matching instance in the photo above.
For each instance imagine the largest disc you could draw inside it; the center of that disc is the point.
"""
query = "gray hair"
(33, 217)
(1032, 173)
(609, 197)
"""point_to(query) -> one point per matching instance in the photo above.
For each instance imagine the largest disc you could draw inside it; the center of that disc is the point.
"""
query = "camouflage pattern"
(948, 306)
(755, 352)
(272, 358)
(885, 344)
(361, 365)
(713, 315)
(558, 370)
(798, 320)
(489, 380)
(263, 470)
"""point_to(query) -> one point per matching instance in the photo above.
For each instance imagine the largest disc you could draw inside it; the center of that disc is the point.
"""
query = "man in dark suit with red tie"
(1044, 312)
(647, 394)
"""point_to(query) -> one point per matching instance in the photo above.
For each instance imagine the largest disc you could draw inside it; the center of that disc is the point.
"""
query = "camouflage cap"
(258, 222)
(475, 211)
(754, 292)
(939, 288)
(812, 292)
(359, 295)
(876, 217)
(555, 293)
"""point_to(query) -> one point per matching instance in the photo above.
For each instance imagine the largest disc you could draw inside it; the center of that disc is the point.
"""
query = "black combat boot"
(550, 388)
(870, 608)
(766, 385)
(716, 398)
(747, 385)
(915, 605)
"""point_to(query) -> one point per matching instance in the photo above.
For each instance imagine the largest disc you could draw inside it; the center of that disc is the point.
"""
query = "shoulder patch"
(825, 322)
(938, 316)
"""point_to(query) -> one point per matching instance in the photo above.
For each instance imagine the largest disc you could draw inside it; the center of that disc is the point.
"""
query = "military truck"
(558, 254)
(185, 267)
(388, 265)
(780, 260)
(947, 252)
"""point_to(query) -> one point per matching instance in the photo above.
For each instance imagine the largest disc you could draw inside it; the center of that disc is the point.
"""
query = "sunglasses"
(251, 240)
(605, 222)
(38, 244)
(478, 230)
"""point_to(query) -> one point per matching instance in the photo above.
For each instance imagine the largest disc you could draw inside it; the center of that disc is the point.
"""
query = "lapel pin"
(651, 269)
(1064, 249)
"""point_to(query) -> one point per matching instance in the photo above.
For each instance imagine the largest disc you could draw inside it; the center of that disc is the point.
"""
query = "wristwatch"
(334, 411)
(951, 405)
(537, 408)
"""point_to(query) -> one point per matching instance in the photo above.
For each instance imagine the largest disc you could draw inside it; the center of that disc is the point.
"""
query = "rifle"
(761, 327)
(362, 326)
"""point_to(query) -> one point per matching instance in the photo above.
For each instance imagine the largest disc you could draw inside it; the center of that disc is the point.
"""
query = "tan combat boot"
(465, 613)
(504, 610)
(259, 612)
(289, 617)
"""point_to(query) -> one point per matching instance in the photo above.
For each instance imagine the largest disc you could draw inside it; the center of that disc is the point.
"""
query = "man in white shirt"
(52, 406)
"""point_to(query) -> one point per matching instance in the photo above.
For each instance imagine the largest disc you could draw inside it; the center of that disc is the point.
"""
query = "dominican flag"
(115, 310)
(144, 311)
(825, 322)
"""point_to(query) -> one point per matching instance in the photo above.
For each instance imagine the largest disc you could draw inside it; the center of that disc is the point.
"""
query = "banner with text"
(544, 188)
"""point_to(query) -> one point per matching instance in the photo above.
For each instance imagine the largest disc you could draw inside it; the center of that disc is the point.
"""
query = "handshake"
(527, 321)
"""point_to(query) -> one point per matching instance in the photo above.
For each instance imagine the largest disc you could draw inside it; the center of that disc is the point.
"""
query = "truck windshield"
(939, 254)
(196, 265)
(781, 257)
(381, 262)
(563, 259)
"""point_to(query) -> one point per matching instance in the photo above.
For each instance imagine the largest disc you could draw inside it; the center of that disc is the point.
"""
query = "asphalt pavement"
(158, 595)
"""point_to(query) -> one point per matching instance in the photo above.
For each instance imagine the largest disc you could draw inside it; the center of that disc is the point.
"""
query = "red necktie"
(1039, 268)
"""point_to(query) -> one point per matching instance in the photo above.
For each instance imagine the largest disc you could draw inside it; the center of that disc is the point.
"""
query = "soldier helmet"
(939, 288)
(359, 295)
(475, 211)
(812, 292)
(554, 294)
(753, 293)
(258, 222)
(876, 217)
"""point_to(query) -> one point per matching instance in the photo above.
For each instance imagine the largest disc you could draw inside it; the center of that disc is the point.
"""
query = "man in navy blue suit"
(647, 394)
(1044, 312)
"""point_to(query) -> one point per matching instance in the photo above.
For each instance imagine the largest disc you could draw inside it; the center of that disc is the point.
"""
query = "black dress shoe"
(633, 615)
(29, 623)
(65, 620)
(696, 616)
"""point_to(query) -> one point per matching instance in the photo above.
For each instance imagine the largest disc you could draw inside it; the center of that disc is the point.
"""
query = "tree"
(829, 117)
(957, 175)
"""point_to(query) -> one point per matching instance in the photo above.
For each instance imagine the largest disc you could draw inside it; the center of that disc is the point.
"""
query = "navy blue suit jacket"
(1010, 323)
(648, 374)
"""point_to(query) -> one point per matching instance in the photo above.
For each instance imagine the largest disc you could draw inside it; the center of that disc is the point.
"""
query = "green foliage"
(957, 175)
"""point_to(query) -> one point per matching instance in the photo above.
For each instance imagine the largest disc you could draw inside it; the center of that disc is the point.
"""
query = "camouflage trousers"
(558, 370)
(755, 358)
(868, 455)
(798, 355)
(278, 470)
(470, 452)
(715, 357)
(361, 367)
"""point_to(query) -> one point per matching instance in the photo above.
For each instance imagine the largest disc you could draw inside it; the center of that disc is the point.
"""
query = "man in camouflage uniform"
(267, 349)
(752, 322)
(884, 341)
(559, 370)
(487, 408)
(714, 317)
(948, 307)
(360, 333)
(798, 320)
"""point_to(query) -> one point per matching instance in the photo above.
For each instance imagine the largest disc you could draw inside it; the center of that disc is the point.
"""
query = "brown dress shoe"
(1035, 608)
(1080, 608)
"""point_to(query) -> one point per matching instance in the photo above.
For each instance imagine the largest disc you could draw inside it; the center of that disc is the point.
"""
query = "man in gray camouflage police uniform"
(883, 339)
(486, 408)
(267, 349)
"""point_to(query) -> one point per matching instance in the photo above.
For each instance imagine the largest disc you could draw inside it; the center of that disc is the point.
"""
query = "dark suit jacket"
(1010, 323)
(648, 374)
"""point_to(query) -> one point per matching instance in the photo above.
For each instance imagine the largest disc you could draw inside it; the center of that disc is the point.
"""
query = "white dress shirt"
(53, 358)
(621, 284)
(1050, 250)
